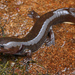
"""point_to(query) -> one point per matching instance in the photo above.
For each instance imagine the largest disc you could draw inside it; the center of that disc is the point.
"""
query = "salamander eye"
(1, 46)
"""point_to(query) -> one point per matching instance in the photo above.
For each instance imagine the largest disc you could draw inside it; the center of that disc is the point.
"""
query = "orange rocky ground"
(58, 59)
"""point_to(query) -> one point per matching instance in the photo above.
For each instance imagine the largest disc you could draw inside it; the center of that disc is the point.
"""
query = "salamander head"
(7, 47)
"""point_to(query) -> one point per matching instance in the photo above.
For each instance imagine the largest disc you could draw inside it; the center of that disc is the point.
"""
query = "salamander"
(39, 32)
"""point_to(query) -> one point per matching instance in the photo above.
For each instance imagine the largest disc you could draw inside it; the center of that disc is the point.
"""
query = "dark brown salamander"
(39, 32)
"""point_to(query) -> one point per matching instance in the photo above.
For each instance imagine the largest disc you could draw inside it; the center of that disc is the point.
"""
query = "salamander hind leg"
(51, 38)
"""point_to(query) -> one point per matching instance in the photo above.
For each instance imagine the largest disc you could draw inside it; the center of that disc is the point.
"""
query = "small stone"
(12, 64)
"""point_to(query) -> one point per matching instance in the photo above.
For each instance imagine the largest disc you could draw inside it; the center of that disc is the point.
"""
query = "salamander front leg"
(34, 15)
(24, 52)
(28, 54)
(51, 38)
